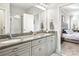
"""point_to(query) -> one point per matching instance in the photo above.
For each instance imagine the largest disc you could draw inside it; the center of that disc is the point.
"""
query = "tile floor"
(55, 54)
(70, 49)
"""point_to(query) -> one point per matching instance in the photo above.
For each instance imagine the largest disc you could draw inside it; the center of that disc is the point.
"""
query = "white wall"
(6, 7)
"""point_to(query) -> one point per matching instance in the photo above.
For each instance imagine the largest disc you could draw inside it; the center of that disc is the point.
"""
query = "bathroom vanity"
(41, 44)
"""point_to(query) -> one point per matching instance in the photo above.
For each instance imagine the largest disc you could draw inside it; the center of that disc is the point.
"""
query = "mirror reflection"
(18, 19)
(26, 19)
(2, 22)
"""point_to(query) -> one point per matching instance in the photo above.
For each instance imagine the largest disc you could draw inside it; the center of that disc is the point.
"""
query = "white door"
(28, 23)
(2, 22)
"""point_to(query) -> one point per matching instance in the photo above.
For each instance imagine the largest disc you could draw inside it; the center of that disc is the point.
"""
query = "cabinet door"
(51, 44)
(43, 51)
(35, 50)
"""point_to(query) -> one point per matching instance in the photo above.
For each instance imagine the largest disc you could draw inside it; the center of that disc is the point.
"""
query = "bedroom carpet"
(70, 49)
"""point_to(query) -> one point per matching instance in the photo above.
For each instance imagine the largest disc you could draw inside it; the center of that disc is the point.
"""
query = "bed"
(71, 36)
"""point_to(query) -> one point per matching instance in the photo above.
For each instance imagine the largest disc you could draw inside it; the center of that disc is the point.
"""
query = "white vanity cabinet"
(43, 46)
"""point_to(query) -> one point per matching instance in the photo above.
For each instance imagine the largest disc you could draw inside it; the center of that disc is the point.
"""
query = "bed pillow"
(69, 31)
(64, 31)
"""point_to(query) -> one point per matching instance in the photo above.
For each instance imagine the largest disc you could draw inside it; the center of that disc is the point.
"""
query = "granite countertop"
(20, 39)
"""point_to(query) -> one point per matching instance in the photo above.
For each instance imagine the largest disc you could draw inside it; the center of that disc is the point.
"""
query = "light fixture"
(40, 7)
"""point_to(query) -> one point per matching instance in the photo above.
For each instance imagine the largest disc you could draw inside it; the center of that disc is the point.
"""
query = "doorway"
(70, 29)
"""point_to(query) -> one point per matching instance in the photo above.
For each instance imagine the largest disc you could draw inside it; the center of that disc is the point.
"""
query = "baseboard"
(60, 53)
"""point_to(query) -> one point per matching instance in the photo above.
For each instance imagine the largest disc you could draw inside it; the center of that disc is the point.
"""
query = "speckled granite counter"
(20, 39)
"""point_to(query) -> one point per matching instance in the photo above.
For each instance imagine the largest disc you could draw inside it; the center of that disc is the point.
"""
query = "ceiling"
(72, 8)
(30, 7)
(23, 5)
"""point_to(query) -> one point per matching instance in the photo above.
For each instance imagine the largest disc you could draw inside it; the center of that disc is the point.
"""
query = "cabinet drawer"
(8, 54)
(25, 52)
(39, 41)
(40, 50)
(12, 50)
(7, 51)
(27, 44)
(51, 44)
(50, 37)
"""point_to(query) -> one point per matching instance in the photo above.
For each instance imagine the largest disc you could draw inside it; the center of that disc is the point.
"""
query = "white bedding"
(72, 36)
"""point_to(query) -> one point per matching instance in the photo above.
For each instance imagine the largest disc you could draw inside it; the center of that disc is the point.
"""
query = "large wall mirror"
(26, 19)
(23, 18)
(2, 21)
